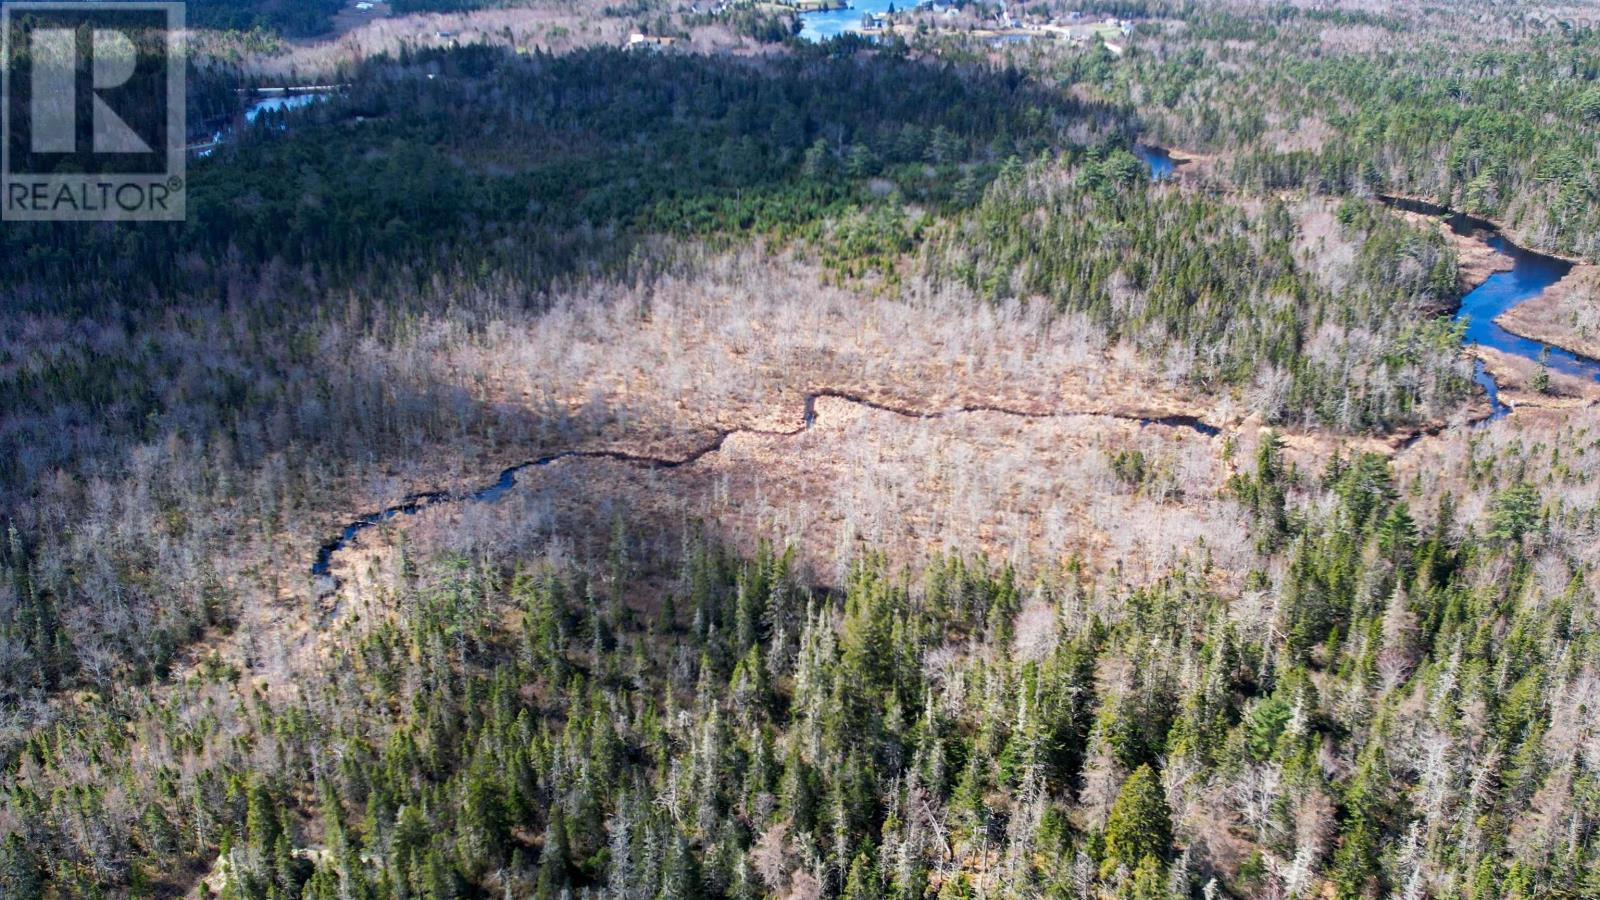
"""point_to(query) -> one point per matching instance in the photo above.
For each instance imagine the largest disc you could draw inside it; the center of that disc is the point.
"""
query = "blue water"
(828, 24)
(1159, 160)
(490, 493)
(1529, 276)
(279, 103)
(415, 504)
(1482, 378)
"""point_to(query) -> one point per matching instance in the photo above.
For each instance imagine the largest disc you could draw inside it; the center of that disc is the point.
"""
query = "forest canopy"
(923, 465)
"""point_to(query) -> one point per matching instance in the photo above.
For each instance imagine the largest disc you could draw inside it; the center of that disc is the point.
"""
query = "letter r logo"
(92, 99)
(55, 91)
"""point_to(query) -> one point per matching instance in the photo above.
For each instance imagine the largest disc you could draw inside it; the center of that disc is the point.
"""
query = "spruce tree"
(1140, 823)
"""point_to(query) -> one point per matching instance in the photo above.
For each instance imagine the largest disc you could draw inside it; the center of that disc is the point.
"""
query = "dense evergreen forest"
(1220, 294)
(955, 731)
(1371, 670)
(300, 19)
(533, 164)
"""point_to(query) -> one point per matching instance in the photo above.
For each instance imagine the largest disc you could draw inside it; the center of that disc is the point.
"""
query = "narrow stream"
(1530, 275)
(1161, 166)
(493, 491)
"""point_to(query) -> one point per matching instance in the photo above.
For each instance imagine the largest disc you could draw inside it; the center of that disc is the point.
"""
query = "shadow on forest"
(259, 351)
(548, 167)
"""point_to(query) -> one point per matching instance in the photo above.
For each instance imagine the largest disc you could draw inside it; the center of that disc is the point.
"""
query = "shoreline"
(1478, 260)
(1428, 207)
(1545, 318)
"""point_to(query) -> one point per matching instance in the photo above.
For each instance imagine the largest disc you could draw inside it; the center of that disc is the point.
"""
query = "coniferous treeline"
(514, 728)
(302, 18)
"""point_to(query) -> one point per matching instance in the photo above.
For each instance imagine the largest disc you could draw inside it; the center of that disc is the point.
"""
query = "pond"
(279, 103)
(830, 23)
(275, 104)
(1161, 163)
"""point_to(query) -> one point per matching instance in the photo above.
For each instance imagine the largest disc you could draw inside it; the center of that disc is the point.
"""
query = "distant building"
(363, 6)
(639, 41)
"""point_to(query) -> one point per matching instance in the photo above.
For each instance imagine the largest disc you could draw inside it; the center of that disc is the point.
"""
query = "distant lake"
(828, 24)
(279, 103)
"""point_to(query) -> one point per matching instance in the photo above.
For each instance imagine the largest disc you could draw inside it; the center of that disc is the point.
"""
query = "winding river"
(493, 491)
(1530, 275)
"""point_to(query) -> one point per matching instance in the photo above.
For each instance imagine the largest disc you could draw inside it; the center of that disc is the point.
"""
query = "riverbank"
(762, 420)
(1536, 364)
(1566, 315)
(1476, 258)
(1413, 203)
(1516, 378)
